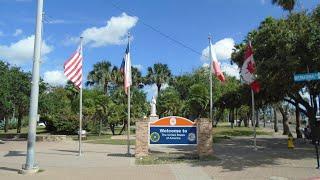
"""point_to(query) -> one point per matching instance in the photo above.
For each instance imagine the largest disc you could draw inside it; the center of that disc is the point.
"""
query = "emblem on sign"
(155, 137)
(173, 121)
(191, 137)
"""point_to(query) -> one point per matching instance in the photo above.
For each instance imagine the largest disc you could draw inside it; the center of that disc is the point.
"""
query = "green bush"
(12, 123)
(62, 123)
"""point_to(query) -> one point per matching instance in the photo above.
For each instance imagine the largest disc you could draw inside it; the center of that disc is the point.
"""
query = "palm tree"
(287, 5)
(159, 74)
(101, 75)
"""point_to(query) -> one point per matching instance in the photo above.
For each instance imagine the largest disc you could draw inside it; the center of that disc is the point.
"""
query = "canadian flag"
(248, 68)
(215, 65)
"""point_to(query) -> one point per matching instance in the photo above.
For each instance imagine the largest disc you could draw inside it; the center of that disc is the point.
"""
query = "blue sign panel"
(182, 135)
(307, 77)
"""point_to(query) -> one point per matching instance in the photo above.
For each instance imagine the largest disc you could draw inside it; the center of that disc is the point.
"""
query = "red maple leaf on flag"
(251, 67)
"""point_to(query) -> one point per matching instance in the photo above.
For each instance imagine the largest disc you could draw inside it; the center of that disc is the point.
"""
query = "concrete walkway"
(236, 160)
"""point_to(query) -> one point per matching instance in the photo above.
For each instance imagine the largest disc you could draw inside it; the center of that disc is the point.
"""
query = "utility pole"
(31, 166)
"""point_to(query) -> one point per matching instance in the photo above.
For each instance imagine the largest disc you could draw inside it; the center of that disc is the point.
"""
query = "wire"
(159, 32)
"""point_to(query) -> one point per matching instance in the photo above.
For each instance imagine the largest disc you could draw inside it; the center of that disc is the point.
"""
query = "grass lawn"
(104, 139)
(224, 131)
(171, 158)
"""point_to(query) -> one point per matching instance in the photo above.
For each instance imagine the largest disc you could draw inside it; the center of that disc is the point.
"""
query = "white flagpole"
(210, 74)
(254, 121)
(129, 106)
(80, 109)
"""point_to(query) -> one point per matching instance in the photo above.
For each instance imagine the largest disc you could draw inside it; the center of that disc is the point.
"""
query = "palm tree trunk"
(112, 128)
(298, 132)
(100, 126)
(257, 119)
(159, 88)
(6, 125)
(123, 127)
(19, 123)
(275, 122)
(286, 129)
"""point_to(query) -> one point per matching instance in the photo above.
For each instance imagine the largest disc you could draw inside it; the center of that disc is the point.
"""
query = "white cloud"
(205, 65)
(55, 78)
(138, 66)
(17, 32)
(231, 70)
(113, 33)
(223, 49)
(21, 52)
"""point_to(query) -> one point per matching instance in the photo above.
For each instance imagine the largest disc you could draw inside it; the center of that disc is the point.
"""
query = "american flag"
(73, 68)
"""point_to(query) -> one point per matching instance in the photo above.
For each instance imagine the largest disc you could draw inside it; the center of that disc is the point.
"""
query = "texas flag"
(125, 68)
(215, 65)
(248, 68)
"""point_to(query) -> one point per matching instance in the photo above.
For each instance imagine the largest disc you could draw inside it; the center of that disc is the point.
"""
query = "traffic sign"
(307, 77)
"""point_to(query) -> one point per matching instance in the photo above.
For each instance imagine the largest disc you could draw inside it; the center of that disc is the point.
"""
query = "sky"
(160, 30)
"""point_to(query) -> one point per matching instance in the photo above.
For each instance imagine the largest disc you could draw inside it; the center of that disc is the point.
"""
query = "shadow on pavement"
(238, 153)
(15, 153)
(8, 169)
(120, 155)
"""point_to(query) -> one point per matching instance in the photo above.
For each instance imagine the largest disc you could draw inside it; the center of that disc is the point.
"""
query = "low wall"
(50, 138)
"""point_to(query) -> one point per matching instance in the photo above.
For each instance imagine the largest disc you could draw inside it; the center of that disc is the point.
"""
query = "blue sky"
(104, 28)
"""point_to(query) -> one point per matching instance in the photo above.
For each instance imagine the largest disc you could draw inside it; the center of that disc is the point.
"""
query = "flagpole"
(210, 74)
(80, 111)
(254, 122)
(129, 106)
(31, 166)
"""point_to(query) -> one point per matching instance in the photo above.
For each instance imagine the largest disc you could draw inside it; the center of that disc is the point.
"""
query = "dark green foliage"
(284, 47)
(169, 103)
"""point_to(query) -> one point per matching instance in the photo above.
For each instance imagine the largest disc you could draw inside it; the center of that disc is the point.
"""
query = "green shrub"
(12, 123)
(62, 123)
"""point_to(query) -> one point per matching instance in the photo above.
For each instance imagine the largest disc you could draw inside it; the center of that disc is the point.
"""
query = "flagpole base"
(25, 171)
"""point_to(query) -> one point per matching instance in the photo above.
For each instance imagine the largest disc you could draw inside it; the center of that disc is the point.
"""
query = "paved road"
(236, 160)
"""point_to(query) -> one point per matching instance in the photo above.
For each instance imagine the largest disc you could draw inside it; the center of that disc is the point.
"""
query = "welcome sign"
(173, 130)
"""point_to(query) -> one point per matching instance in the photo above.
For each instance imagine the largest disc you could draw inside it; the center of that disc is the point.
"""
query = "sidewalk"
(236, 160)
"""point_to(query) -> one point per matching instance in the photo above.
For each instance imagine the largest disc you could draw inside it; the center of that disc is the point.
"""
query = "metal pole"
(254, 122)
(33, 111)
(317, 153)
(129, 106)
(210, 74)
(128, 135)
(80, 124)
(80, 109)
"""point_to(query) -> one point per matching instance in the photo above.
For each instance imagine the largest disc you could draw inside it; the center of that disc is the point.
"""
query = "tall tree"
(20, 91)
(101, 75)
(287, 5)
(159, 74)
(283, 48)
